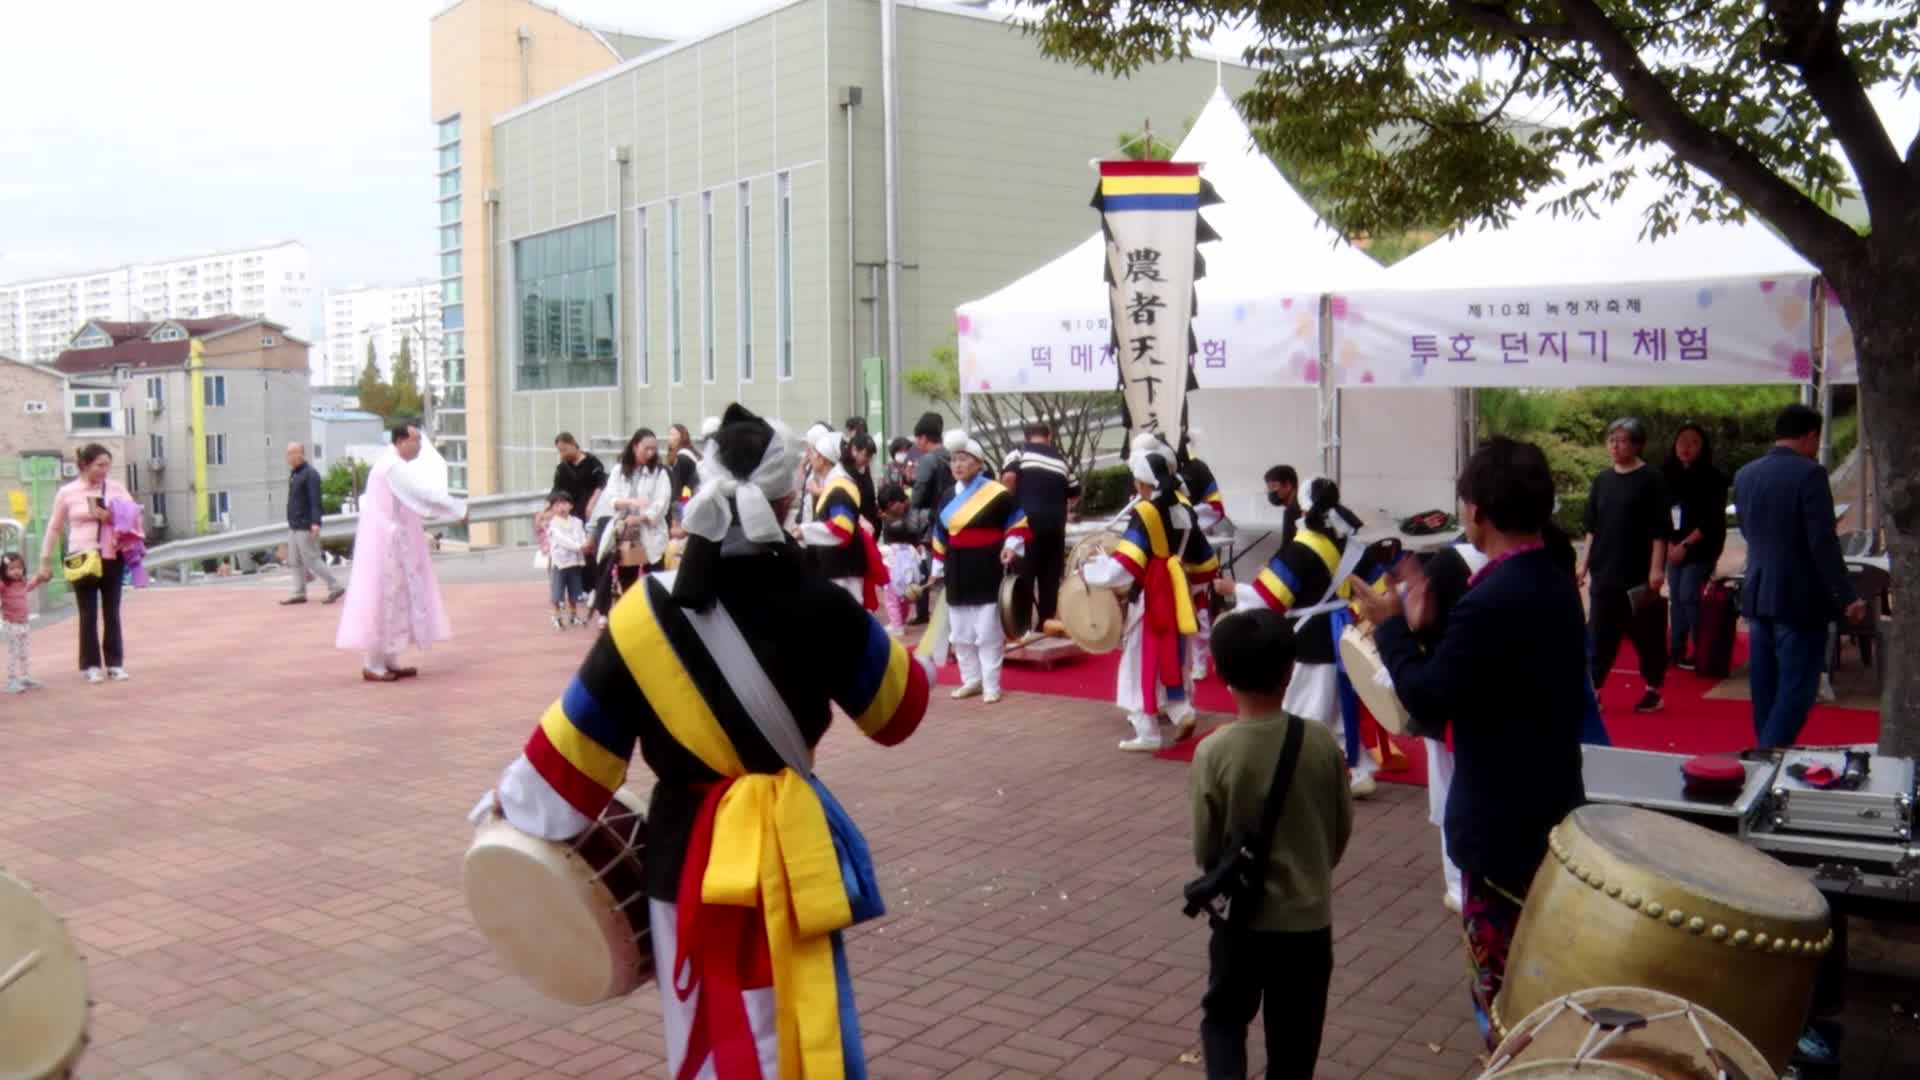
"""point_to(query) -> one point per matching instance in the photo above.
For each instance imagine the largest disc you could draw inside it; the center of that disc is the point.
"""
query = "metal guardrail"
(337, 526)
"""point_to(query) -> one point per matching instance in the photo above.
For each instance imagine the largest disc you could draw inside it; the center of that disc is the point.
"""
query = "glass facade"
(564, 284)
(447, 402)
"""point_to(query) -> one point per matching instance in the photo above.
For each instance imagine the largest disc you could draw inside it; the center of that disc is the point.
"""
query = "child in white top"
(902, 559)
(566, 563)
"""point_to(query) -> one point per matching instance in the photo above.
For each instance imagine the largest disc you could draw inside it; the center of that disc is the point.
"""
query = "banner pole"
(1328, 396)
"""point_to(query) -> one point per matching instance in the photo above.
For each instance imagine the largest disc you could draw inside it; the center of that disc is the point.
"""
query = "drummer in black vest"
(1045, 485)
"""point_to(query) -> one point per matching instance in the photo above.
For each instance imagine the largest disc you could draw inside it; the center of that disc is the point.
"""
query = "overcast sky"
(135, 130)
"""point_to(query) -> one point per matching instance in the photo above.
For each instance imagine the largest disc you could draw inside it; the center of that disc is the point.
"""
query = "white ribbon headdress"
(959, 442)
(1146, 447)
(827, 445)
(722, 494)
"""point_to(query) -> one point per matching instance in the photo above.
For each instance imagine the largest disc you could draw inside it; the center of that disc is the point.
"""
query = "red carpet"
(1689, 724)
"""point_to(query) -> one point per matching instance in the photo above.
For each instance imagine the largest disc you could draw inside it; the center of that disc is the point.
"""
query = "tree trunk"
(1884, 310)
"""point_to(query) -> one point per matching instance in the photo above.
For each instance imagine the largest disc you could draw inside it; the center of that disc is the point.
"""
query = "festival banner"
(1150, 218)
(1724, 331)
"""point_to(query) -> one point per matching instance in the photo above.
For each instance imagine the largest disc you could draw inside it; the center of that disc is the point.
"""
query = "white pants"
(856, 587)
(1439, 782)
(1197, 644)
(679, 1014)
(979, 643)
(19, 654)
(1314, 694)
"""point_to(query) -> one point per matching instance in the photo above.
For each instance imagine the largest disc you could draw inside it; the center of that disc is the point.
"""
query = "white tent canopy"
(1258, 320)
(1560, 301)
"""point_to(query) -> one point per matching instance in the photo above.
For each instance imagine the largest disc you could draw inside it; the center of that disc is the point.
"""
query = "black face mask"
(1274, 499)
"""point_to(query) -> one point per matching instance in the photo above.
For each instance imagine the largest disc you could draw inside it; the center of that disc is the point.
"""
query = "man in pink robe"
(393, 600)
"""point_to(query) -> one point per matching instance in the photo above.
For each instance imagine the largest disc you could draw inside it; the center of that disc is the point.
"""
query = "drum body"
(1653, 1033)
(1095, 619)
(1630, 897)
(1366, 671)
(569, 918)
(43, 1006)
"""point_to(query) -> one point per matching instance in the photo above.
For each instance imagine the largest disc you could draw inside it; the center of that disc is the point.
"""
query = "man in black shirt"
(1283, 491)
(1044, 484)
(1627, 523)
(932, 474)
(579, 474)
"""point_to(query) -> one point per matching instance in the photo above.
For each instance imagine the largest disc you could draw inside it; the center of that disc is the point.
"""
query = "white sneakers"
(96, 675)
(967, 691)
(1140, 746)
(1362, 784)
(118, 674)
(16, 687)
(1450, 902)
(991, 697)
(93, 675)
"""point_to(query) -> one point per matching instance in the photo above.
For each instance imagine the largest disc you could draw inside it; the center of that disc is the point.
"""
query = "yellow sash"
(1160, 548)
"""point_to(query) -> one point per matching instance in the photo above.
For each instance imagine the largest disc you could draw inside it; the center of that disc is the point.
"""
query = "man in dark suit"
(1796, 581)
(1509, 674)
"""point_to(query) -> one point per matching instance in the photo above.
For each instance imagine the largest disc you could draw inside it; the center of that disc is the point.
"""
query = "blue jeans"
(1784, 675)
(1684, 582)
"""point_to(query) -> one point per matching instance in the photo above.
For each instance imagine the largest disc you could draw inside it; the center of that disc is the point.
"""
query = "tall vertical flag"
(1150, 214)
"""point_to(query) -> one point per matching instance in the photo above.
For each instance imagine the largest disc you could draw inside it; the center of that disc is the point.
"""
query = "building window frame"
(676, 295)
(216, 449)
(213, 391)
(642, 298)
(219, 505)
(743, 274)
(708, 365)
(91, 403)
(783, 273)
(565, 300)
(157, 447)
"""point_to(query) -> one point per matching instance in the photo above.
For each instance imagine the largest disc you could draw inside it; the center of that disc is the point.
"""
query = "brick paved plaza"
(260, 857)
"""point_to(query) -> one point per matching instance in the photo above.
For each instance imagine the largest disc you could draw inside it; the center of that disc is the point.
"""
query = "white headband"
(827, 445)
(710, 513)
(1145, 449)
(959, 442)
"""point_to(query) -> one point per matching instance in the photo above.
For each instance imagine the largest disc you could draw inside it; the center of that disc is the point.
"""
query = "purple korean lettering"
(1214, 353)
(1553, 345)
(1081, 356)
(1692, 342)
(1042, 356)
(1423, 349)
(1462, 349)
(1513, 348)
(1596, 344)
(1107, 354)
(1651, 344)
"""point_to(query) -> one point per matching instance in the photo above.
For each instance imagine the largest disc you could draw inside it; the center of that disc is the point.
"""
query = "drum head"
(1362, 660)
(550, 919)
(1705, 863)
(1093, 617)
(43, 1014)
(1568, 1070)
(1669, 1046)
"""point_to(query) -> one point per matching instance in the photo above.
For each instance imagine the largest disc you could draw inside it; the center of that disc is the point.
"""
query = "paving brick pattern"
(260, 857)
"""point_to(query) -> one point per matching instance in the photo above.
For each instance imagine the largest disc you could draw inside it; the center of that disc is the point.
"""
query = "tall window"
(706, 286)
(673, 289)
(157, 447)
(213, 389)
(160, 507)
(218, 505)
(156, 388)
(744, 305)
(564, 280)
(216, 449)
(642, 297)
(783, 273)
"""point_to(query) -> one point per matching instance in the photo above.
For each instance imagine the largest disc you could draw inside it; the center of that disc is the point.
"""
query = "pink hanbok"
(393, 600)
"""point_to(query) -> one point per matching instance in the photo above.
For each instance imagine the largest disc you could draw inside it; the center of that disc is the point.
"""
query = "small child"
(902, 559)
(14, 587)
(1278, 945)
(566, 563)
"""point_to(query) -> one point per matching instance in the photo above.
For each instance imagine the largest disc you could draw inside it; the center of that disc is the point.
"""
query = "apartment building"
(385, 316)
(206, 408)
(707, 221)
(39, 317)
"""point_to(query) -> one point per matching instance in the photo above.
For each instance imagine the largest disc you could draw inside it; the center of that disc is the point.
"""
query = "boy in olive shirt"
(1282, 952)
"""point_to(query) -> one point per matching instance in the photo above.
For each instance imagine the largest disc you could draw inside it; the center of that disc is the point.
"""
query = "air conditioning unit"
(158, 464)
(159, 520)
(153, 406)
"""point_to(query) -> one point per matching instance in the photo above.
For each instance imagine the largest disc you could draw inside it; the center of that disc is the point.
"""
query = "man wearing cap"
(1161, 556)
(753, 973)
(978, 532)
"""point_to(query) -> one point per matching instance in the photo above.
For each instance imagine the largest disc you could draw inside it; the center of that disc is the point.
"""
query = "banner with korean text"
(1720, 331)
(1150, 217)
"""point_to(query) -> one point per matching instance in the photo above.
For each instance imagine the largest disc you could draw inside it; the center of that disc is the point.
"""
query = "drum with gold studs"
(1630, 897)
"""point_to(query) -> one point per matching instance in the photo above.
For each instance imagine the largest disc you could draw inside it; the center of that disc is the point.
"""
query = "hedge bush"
(1105, 490)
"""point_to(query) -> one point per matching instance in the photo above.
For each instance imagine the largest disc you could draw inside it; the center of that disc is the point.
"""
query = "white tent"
(1559, 301)
(1257, 323)
(1261, 394)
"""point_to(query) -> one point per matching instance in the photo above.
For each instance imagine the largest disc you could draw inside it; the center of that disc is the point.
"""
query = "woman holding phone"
(80, 510)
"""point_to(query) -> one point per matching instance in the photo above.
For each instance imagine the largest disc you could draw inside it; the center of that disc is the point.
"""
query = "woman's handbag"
(83, 567)
(632, 551)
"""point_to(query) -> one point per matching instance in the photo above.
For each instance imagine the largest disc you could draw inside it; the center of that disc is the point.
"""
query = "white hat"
(959, 442)
(827, 444)
(1147, 447)
(709, 427)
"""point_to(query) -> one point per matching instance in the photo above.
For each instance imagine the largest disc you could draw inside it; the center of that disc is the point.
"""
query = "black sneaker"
(1649, 702)
(1684, 663)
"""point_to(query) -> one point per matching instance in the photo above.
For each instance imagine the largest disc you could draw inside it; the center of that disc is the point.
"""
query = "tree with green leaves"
(376, 396)
(1749, 109)
(405, 383)
(1000, 420)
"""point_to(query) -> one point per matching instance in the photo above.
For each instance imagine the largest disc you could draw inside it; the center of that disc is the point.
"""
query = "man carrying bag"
(1272, 813)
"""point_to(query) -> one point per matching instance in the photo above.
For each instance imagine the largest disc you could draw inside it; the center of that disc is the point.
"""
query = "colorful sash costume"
(844, 549)
(981, 520)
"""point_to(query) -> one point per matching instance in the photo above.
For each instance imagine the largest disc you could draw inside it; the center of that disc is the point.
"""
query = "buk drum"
(43, 989)
(1630, 897)
(1361, 657)
(1653, 1034)
(1095, 618)
(569, 918)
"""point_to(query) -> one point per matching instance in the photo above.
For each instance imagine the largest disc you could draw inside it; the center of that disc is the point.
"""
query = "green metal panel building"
(706, 222)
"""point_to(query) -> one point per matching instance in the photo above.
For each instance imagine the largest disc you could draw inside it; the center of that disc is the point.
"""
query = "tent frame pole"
(1328, 397)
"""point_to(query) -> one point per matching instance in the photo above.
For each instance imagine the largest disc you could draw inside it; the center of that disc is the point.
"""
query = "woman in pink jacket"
(82, 510)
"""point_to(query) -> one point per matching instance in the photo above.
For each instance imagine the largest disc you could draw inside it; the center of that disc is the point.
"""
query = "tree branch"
(1819, 236)
(1811, 45)
(1496, 17)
